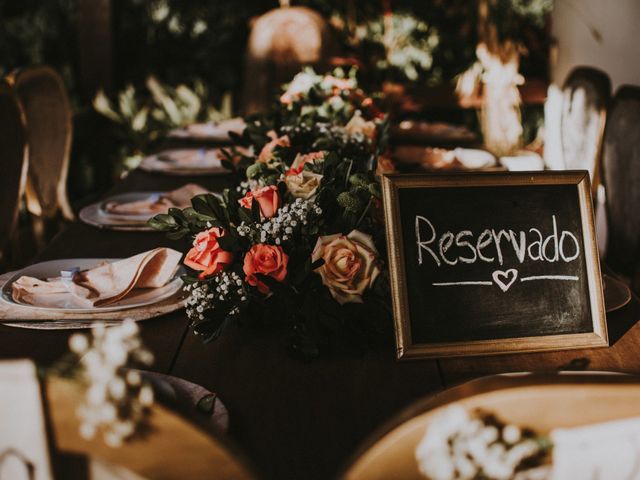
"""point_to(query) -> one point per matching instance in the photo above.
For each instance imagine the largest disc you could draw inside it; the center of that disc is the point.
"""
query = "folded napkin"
(222, 128)
(102, 285)
(190, 157)
(180, 198)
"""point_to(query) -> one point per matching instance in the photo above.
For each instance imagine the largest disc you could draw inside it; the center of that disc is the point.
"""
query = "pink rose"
(302, 159)
(266, 154)
(350, 265)
(268, 199)
(268, 260)
(206, 255)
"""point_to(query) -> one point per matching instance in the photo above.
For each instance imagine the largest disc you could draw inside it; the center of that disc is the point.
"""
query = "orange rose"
(206, 255)
(302, 159)
(266, 154)
(266, 260)
(385, 165)
(268, 199)
(350, 265)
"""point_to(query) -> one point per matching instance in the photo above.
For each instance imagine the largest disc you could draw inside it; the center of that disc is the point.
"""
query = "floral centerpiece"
(299, 242)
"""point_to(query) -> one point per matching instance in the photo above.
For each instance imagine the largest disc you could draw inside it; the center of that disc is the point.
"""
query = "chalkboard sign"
(487, 263)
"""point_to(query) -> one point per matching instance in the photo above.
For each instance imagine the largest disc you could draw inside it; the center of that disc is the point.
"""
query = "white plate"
(473, 158)
(210, 162)
(136, 298)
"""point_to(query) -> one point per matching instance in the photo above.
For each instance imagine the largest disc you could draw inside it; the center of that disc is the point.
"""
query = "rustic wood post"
(95, 47)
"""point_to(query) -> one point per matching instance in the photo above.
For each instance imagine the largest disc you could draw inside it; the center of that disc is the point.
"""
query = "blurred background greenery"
(194, 52)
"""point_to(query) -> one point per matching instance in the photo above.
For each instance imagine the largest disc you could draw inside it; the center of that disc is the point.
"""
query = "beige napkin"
(236, 125)
(180, 198)
(189, 158)
(102, 285)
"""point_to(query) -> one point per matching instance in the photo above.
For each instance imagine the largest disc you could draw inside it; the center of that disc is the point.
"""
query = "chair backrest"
(543, 402)
(13, 161)
(621, 172)
(586, 95)
(281, 42)
(49, 129)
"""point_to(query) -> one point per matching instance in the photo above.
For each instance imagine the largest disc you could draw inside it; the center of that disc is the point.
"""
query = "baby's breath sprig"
(290, 220)
(222, 287)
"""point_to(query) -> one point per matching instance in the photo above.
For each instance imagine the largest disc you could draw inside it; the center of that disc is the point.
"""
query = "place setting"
(132, 211)
(186, 161)
(210, 131)
(75, 293)
(413, 157)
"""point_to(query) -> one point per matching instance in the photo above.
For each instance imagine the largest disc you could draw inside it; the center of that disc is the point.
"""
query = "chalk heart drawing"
(504, 279)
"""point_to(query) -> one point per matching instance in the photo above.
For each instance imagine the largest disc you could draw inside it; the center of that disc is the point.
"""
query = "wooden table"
(295, 420)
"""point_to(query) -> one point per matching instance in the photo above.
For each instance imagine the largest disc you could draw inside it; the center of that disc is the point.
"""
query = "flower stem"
(366, 209)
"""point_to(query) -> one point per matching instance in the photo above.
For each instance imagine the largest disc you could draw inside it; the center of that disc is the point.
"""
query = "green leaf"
(228, 242)
(255, 170)
(255, 211)
(208, 204)
(317, 264)
(163, 222)
(178, 234)
(245, 215)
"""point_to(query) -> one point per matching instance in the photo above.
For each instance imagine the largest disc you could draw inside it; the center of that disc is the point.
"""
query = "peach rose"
(303, 185)
(302, 159)
(268, 199)
(268, 260)
(206, 255)
(266, 154)
(357, 124)
(350, 265)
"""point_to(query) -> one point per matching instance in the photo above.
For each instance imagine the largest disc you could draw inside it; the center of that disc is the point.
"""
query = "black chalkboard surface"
(493, 263)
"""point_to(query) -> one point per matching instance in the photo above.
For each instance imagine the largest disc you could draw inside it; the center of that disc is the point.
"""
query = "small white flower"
(511, 434)
(78, 343)
(133, 378)
(146, 396)
(117, 388)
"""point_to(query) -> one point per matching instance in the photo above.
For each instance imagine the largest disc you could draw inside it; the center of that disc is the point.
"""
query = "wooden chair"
(49, 130)
(586, 95)
(13, 162)
(541, 401)
(621, 173)
(281, 42)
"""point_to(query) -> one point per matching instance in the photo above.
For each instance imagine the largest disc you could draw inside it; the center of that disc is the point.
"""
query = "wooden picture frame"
(407, 348)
